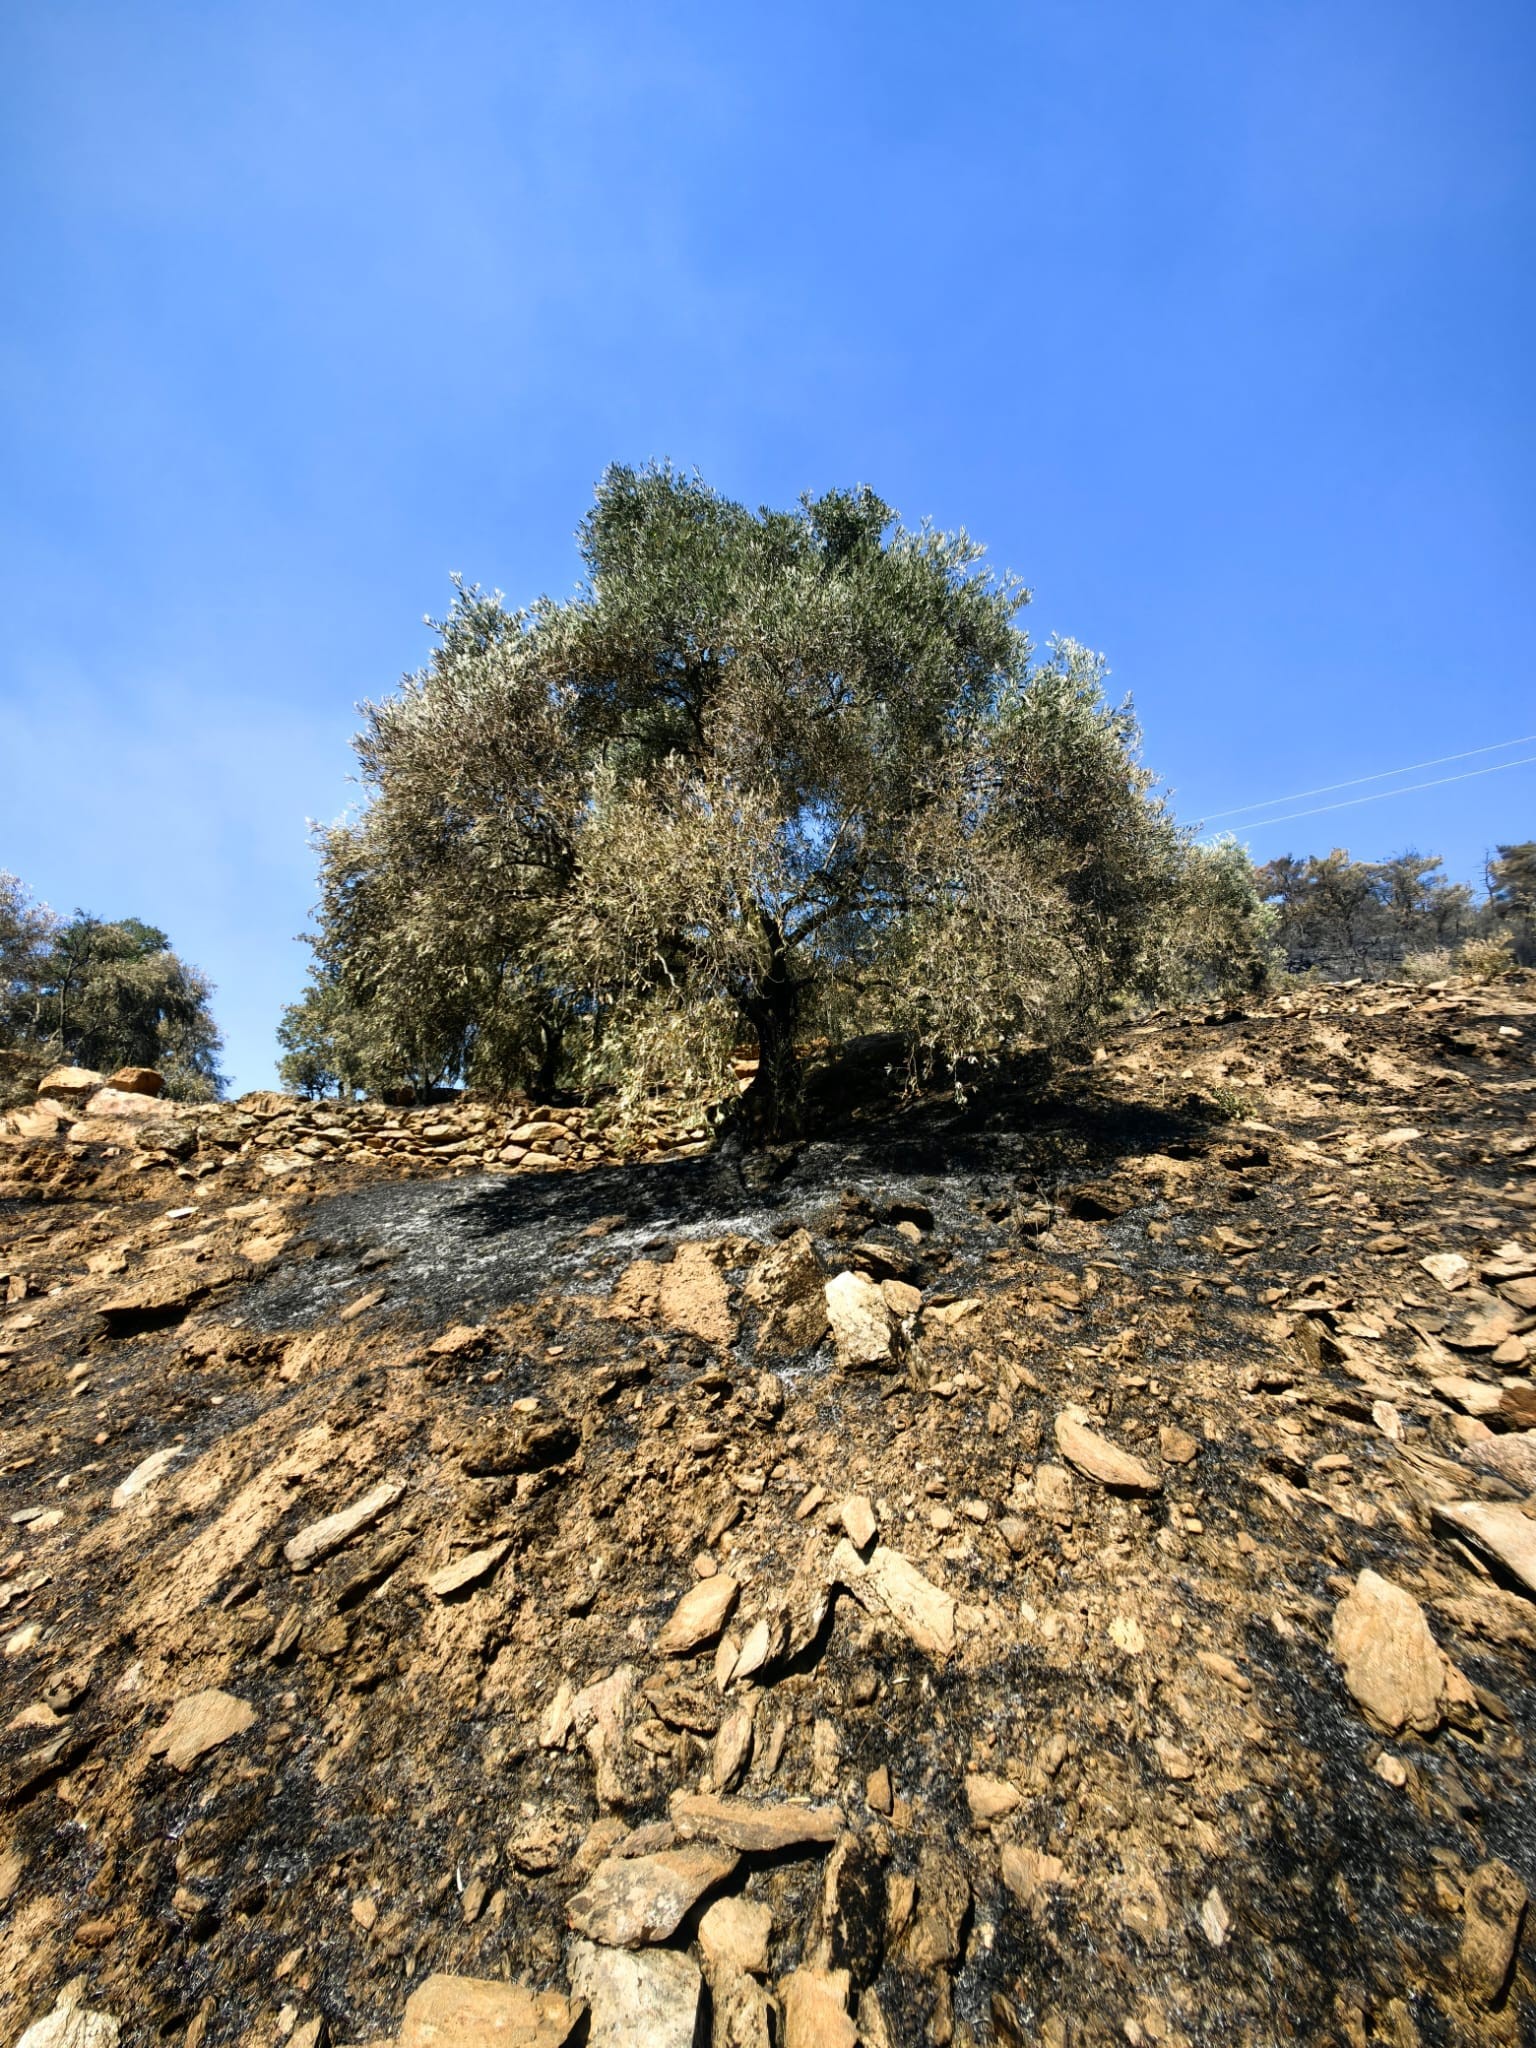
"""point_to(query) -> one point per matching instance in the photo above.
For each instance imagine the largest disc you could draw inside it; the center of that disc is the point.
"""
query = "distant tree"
(26, 928)
(1512, 897)
(103, 995)
(766, 773)
(1353, 917)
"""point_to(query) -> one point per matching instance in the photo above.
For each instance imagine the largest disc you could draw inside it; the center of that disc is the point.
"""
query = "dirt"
(1095, 1769)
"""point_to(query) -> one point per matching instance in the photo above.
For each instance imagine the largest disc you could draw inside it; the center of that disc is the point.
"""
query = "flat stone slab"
(890, 1584)
(699, 1616)
(630, 1901)
(198, 1723)
(755, 1829)
(1098, 1458)
(319, 1539)
(1500, 1529)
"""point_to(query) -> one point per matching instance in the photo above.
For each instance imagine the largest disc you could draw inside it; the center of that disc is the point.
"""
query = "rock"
(42, 1120)
(1030, 1874)
(879, 1793)
(901, 1298)
(1142, 1902)
(1511, 1454)
(754, 1829)
(319, 1539)
(1177, 1763)
(1215, 1920)
(943, 1900)
(109, 1104)
(862, 1330)
(990, 1798)
(742, 2013)
(788, 1286)
(1099, 1459)
(815, 2006)
(1500, 1529)
(736, 1931)
(1492, 1909)
(699, 1616)
(644, 1999)
(72, 2025)
(69, 1084)
(632, 1900)
(1053, 1493)
(520, 1444)
(733, 1747)
(159, 1300)
(1177, 1446)
(891, 1584)
(858, 1519)
(478, 2012)
(199, 1722)
(144, 1475)
(1396, 1671)
(137, 1081)
(468, 1571)
(1449, 1268)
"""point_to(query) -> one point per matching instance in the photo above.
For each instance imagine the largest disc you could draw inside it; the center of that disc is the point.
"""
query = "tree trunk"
(771, 1106)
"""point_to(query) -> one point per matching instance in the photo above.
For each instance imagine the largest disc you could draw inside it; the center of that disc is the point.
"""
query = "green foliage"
(103, 995)
(762, 769)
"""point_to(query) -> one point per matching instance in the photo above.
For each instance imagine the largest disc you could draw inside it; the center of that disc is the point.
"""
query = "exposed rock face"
(69, 1084)
(699, 1616)
(891, 1584)
(137, 1081)
(72, 2024)
(1499, 1529)
(760, 1830)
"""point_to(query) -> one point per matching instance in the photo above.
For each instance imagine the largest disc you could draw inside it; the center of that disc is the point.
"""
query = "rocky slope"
(1048, 1568)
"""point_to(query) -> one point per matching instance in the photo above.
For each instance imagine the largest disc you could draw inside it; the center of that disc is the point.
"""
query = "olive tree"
(764, 773)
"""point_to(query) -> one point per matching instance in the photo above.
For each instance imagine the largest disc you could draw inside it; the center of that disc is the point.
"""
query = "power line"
(1349, 803)
(1355, 781)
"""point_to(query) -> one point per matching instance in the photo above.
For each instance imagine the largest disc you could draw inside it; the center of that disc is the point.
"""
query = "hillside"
(1054, 1567)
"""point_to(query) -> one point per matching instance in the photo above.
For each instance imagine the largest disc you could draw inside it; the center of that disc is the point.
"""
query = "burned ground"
(1112, 1783)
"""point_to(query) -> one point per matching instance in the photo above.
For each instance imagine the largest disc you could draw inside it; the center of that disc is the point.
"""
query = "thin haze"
(1212, 321)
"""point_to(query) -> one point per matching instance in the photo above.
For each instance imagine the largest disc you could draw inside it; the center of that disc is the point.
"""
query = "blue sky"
(1213, 321)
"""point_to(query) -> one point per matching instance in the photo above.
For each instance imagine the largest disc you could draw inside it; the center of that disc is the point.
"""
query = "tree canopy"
(765, 775)
(103, 994)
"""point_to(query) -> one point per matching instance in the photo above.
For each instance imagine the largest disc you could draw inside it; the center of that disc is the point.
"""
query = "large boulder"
(137, 1081)
(70, 1084)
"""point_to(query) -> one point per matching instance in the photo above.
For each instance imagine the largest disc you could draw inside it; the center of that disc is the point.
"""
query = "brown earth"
(436, 1551)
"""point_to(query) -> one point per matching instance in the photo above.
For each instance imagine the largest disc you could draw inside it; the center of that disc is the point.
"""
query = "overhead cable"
(1382, 775)
(1381, 795)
